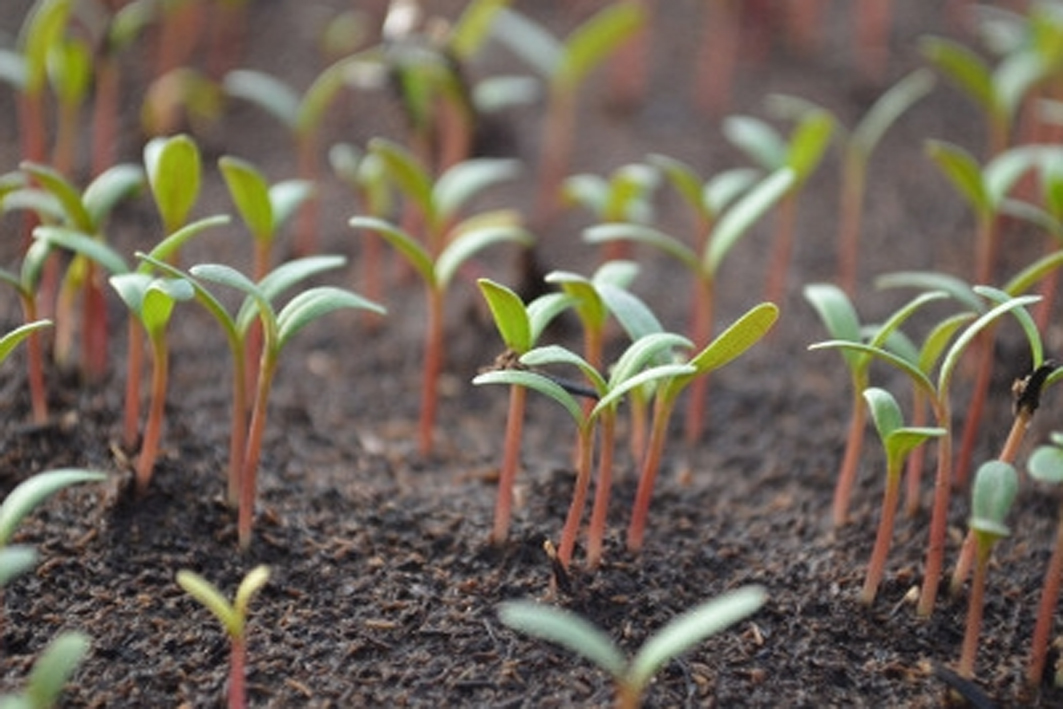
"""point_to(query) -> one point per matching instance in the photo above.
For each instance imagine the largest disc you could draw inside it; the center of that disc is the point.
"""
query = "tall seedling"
(25, 282)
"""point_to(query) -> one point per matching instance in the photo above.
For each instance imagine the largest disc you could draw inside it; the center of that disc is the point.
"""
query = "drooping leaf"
(31, 492)
(405, 244)
(890, 106)
(467, 179)
(314, 303)
(11, 340)
(594, 40)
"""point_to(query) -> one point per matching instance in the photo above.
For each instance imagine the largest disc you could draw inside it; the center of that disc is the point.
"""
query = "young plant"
(26, 283)
(995, 486)
(802, 153)
(233, 618)
(938, 396)
(520, 326)
(278, 328)
(52, 670)
(624, 196)
(302, 115)
(447, 245)
(897, 441)
(723, 215)
(728, 345)
(632, 677)
(1046, 465)
(630, 373)
(70, 73)
(843, 324)
(174, 170)
(152, 300)
(565, 65)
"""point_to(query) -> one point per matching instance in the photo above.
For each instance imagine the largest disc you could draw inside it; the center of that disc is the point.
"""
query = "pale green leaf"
(11, 340)
(54, 668)
(31, 492)
(312, 304)
(405, 244)
(571, 631)
(212, 599)
(536, 382)
(737, 221)
(510, 315)
(267, 92)
(467, 179)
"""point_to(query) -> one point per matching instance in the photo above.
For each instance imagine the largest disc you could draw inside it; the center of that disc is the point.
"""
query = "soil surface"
(384, 587)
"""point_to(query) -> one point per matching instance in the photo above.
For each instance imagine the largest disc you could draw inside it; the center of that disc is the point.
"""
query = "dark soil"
(383, 587)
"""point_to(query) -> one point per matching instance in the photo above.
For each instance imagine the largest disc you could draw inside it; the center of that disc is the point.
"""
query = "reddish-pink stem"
(510, 463)
(433, 366)
(843, 488)
(253, 452)
(662, 411)
(306, 228)
(872, 37)
(935, 555)
(850, 219)
(975, 607)
(35, 364)
(237, 671)
(775, 288)
(557, 142)
(718, 56)
(134, 365)
(1046, 610)
(104, 114)
(876, 567)
(238, 430)
(579, 496)
(94, 337)
(700, 333)
(600, 513)
(149, 450)
(917, 458)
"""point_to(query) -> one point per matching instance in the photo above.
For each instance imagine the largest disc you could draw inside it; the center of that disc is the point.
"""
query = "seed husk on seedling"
(632, 676)
(233, 618)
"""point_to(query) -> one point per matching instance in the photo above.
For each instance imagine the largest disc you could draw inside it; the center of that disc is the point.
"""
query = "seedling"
(70, 74)
(447, 245)
(278, 328)
(624, 196)
(233, 618)
(897, 441)
(632, 676)
(629, 374)
(26, 283)
(174, 170)
(152, 301)
(802, 153)
(728, 345)
(938, 396)
(51, 672)
(995, 486)
(301, 115)
(842, 322)
(520, 326)
(717, 233)
(1046, 465)
(565, 65)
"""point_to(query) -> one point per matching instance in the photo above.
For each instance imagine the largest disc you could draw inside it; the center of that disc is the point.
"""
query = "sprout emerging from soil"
(51, 672)
(233, 618)
(632, 676)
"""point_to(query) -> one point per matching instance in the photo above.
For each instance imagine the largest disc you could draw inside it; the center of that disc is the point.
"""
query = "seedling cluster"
(449, 214)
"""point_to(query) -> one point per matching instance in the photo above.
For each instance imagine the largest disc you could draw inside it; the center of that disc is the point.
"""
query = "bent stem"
(510, 463)
(579, 495)
(662, 411)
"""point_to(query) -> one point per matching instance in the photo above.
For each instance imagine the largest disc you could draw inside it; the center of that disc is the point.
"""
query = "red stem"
(94, 337)
(134, 365)
(983, 374)
(854, 444)
(579, 496)
(105, 114)
(883, 540)
(662, 411)
(237, 671)
(149, 450)
(935, 554)
(850, 219)
(238, 430)
(306, 237)
(917, 458)
(872, 37)
(35, 364)
(433, 365)
(700, 333)
(600, 513)
(510, 463)
(718, 56)
(253, 452)
(1046, 609)
(975, 607)
(775, 288)
(557, 142)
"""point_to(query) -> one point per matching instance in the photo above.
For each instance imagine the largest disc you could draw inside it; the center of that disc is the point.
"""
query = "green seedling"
(520, 326)
(51, 672)
(802, 152)
(725, 208)
(278, 328)
(898, 441)
(624, 196)
(152, 301)
(636, 368)
(302, 115)
(25, 282)
(728, 345)
(182, 99)
(995, 486)
(233, 618)
(839, 316)
(87, 213)
(237, 329)
(632, 677)
(448, 243)
(1046, 465)
(70, 72)
(565, 65)
(174, 170)
(937, 393)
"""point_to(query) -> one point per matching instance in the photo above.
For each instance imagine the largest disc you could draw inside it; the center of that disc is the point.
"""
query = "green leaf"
(528, 40)
(211, 598)
(510, 315)
(683, 178)
(736, 339)
(536, 382)
(918, 377)
(55, 667)
(964, 173)
(1026, 322)
(60, 188)
(467, 179)
(250, 193)
(173, 167)
(995, 485)
(837, 313)
(408, 175)
(169, 246)
(42, 29)
(1003, 171)
(586, 300)
(474, 235)
(808, 143)
(113, 185)
(740, 218)
(83, 244)
(314, 303)
(1015, 77)
(556, 354)
(649, 236)
(957, 288)
(886, 330)
(321, 92)
(1046, 464)
(15, 560)
(667, 372)
(543, 310)
(253, 582)
(937, 341)
(287, 196)
(473, 27)
(9, 341)
(890, 106)
(723, 189)
(758, 140)
(964, 68)
(159, 300)
(405, 244)
(567, 629)
(265, 91)
(31, 492)
(650, 348)
(885, 412)
(70, 70)
(953, 355)
(1025, 279)
(634, 316)
(690, 628)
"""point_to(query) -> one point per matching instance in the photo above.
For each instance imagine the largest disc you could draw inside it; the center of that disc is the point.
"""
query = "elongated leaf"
(1015, 77)
(885, 412)
(312, 304)
(11, 340)
(286, 197)
(736, 339)
(964, 173)
(469, 243)
(686, 630)
(169, 246)
(885, 331)
(473, 27)
(594, 40)
(650, 348)
(1026, 322)
(212, 599)
(890, 106)
(544, 309)
(918, 377)
(904, 440)
(640, 234)
(1025, 279)
(1046, 464)
(323, 90)
(661, 372)
(758, 140)
(295, 271)
(267, 92)
(131, 287)
(737, 221)
(174, 173)
(837, 313)
(408, 175)
(55, 667)
(510, 315)
(937, 341)
(808, 143)
(567, 629)
(113, 185)
(30, 493)
(84, 244)
(964, 68)
(251, 584)
(405, 244)
(529, 40)
(587, 302)
(467, 179)
(957, 288)
(1003, 171)
(250, 193)
(16, 560)
(159, 300)
(948, 365)
(549, 355)
(682, 176)
(635, 317)
(41, 30)
(536, 382)
(723, 189)
(42, 203)
(60, 188)
(203, 296)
